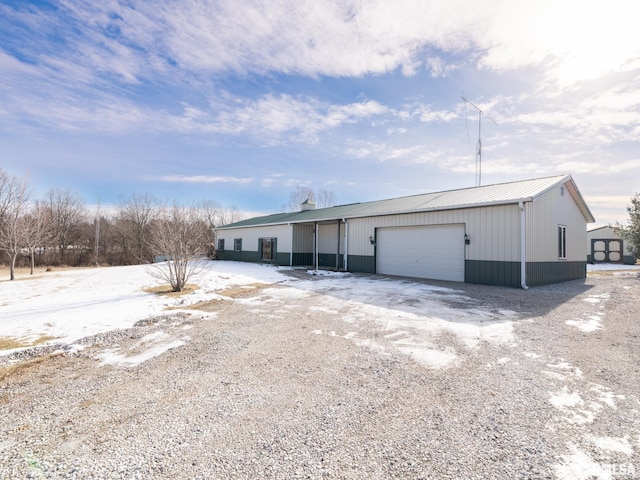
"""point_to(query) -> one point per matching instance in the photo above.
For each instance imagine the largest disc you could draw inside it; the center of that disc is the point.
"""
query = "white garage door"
(435, 252)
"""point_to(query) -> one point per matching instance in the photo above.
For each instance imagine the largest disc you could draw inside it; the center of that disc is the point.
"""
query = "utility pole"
(97, 244)
(479, 145)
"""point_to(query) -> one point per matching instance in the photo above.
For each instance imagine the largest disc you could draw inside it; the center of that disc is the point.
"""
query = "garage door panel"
(435, 252)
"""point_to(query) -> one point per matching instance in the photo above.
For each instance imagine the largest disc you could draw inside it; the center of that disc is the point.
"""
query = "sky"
(243, 101)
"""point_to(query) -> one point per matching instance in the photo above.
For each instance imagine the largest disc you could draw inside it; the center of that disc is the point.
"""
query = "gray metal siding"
(329, 237)
(302, 239)
(493, 231)
(250, 236)
(544, 216)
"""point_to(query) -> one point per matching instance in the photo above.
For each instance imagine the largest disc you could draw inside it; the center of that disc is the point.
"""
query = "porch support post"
(338, 246)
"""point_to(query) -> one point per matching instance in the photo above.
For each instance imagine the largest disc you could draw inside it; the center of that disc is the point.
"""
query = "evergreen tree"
(631, 233)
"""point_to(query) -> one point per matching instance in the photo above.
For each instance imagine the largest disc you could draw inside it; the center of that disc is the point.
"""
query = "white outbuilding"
(519, 234)
(604, 245)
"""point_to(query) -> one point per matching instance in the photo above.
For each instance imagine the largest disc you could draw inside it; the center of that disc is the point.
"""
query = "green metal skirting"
(508, 273)
(282, 258)
(626, 260)
(303, 259)
(361, 264)
(485, 272)
(544, 273)
(476, 271)
(328, 260)
(244, 256)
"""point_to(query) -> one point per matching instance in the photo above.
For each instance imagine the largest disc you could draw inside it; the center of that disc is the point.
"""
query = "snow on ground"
(68, 305)
(151, 345)
(578, 407)
(73, 304)
(414, 317)
(615, 267)
(591, 321)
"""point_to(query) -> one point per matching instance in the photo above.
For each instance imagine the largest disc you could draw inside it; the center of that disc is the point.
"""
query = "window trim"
(562, 242)
(274, 244)
(237, 244)
(220, 245)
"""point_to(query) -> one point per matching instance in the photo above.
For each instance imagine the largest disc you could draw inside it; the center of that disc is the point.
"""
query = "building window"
(267, 248)
(562, 242)
(237, 244)
(221, 244)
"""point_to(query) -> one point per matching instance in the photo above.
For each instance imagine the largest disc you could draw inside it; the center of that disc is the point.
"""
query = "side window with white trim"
(562, 242)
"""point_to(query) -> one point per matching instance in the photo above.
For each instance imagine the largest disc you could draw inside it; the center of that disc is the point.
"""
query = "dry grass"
(166, 290)
(8, 343)
(7, 370)
(24, 273)
(205, 306)
(242, 291)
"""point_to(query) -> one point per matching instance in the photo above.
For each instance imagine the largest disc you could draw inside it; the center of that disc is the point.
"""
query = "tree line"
(58, 228)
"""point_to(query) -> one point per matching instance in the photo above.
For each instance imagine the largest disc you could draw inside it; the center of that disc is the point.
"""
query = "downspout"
(338, 247)
(346, 244)
(291, 249)
(315, 247)
(523, 245)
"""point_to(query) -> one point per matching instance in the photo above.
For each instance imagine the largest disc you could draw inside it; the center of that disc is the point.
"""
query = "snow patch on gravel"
(593, 321)
(611, 444)
(591, 324)
(149, 346)
(578, 465)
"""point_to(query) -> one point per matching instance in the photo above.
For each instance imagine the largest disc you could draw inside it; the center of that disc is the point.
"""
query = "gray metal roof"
(498, 194)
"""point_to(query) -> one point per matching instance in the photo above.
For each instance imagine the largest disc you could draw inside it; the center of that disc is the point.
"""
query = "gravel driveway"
(298, 381)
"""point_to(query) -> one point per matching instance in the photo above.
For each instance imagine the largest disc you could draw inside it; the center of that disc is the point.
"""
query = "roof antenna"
(479, 146)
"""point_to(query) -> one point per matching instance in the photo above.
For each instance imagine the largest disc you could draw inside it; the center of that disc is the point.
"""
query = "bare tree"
(177, 235)
(9, 187)
(135, 216)
(36, 225)
(299, 195)
(325, 198)
(67, 213)
(14, 199)
(213, 215)
(229, 215)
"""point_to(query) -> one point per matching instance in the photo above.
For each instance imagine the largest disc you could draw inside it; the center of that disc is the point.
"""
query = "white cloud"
(427, 115)
(144, 40)
(277, 119)
(439, 67)
(396, 154)
(198, 179)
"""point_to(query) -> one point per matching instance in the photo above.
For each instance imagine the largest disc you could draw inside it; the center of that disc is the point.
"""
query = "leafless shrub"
(178, 240)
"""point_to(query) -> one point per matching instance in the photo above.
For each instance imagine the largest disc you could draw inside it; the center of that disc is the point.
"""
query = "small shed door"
(607, 250)
(434, 251)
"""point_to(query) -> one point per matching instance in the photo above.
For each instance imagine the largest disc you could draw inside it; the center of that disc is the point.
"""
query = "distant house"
(518, 234)
(604, 245)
